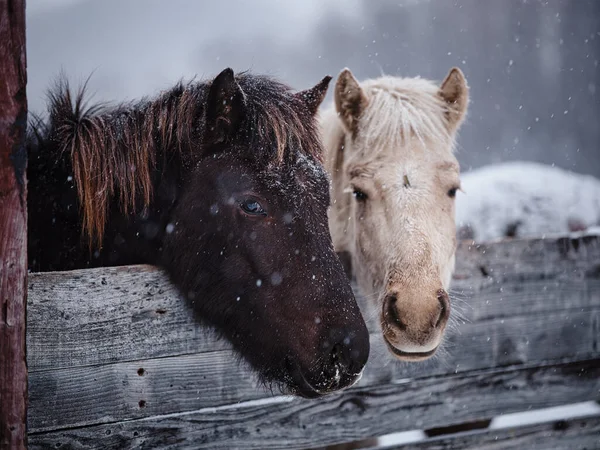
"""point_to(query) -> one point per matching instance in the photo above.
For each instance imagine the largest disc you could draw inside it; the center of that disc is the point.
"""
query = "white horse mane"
(400, 108)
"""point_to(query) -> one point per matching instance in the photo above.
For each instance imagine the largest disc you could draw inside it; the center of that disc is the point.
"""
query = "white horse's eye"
(452, 192)
(359, 195)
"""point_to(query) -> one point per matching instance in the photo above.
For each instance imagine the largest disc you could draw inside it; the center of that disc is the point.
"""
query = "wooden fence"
(116, 361)
(13, 225)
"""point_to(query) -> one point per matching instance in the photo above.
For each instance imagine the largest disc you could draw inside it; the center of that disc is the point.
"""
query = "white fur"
(402, 238)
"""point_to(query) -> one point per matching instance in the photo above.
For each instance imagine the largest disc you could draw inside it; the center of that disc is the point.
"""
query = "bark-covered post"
(13, 225)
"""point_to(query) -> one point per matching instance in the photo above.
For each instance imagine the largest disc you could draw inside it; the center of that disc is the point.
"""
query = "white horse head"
(389, 150)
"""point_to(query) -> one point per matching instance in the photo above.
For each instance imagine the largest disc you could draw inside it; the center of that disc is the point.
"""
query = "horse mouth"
(304, 388)
(409, 356)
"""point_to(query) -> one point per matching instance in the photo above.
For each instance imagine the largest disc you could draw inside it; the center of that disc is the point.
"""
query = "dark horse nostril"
(391, 312)
(444, 300)
(337, 355)
(346, 350)
(339, 363)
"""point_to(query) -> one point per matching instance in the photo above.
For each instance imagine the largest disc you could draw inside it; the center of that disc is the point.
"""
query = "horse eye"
(251, 206)
(359, 195)
(452, 192)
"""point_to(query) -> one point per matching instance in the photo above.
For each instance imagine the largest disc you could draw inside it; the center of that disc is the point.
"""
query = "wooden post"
(13, 225)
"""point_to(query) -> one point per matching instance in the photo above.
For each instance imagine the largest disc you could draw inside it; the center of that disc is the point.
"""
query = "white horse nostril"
(444, 308)
(391, 312)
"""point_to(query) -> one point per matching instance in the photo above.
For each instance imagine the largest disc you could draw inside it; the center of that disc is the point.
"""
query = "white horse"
(518, 199)
(389, 149)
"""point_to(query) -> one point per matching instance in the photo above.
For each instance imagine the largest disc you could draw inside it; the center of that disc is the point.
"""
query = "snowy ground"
(519, 199)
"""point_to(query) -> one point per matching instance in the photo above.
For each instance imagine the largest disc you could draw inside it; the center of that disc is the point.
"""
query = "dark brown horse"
(221, 184)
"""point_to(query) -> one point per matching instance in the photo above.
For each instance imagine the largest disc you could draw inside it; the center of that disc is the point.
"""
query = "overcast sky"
(532, 65)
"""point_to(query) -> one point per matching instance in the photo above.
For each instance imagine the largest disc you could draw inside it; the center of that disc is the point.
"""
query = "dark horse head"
(221, 184)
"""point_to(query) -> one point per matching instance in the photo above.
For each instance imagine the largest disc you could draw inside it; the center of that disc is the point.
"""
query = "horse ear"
(350, 100)
(455, 93)
(314, 96)
(224, 108)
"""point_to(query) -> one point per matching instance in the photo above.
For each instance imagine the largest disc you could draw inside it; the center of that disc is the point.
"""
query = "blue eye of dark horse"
(252, 207)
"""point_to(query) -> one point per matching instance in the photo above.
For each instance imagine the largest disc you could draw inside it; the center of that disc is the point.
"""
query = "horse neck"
(131, 233)
(54, 227)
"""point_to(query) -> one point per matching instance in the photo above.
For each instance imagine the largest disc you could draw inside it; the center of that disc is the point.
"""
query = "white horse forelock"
(400, 108)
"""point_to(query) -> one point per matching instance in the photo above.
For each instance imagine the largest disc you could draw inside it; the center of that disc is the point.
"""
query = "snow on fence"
(117, 361)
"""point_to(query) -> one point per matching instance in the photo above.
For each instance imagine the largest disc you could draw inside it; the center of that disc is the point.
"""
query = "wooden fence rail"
(117, 361)
(573, 434)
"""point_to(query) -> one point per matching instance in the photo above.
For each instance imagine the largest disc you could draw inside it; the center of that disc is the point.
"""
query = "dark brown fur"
(165, 181)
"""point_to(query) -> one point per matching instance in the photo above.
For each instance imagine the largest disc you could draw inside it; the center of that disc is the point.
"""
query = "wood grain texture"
(348, 416)
(98, 316)
(105, 315)
(90, 332)
(190, 382)
(13, 225)
(580, 433)
(527, 276)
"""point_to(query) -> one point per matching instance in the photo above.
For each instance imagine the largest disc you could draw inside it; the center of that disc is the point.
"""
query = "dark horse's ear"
(314, 96)
(224, 108)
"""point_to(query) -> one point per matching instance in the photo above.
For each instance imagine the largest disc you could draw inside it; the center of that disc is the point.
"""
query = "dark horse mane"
(115, 151)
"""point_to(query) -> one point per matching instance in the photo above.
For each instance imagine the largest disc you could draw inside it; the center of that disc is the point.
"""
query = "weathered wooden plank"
(581, 433)
(157, 323)
(510, 298)
(116, 315)
(529, 340)
(13, 225)
(527, 276)
(107, 315)
(113, 392)
(529, 259)
(88, 317)
(348, 416)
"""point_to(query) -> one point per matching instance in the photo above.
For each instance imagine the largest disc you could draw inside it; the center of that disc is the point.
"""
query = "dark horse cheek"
(235, 267)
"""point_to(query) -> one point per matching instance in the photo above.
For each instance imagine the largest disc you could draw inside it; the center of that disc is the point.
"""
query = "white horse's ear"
(350, 100)
(455, 93)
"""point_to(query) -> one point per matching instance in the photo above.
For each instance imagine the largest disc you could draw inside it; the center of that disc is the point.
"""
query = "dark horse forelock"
(114, 150)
